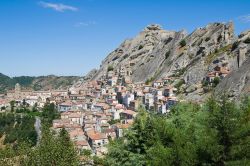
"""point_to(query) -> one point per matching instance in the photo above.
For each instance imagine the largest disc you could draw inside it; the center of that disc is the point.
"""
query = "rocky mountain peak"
(156, 53)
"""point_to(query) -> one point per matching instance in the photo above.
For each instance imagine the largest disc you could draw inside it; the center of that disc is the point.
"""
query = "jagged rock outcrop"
(156, 53)
(143, 54)
(237, 83)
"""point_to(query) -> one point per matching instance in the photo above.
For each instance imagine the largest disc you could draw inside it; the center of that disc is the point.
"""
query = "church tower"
(17, 88)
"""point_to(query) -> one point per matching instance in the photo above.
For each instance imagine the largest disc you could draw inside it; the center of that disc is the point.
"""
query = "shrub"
(167, 54)
(207, 39)
(234, 46)
(190, 56)
(183, 43)
(216, 81)
(140, 47)
(219, 38)
(205, 83)
(179, 84)
(247, 41)
(112, 121)
(148, 81)
(179, 72)
(110, 68)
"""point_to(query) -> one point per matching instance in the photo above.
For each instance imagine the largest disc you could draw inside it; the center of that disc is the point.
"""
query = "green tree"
(167, 54)
(34, 108)
(110, 68)
(49, 113)
(231, 128)
(183, 43)
(12, 105)
(53, 150)
(68, 151)
(216, 81)
(214, 134)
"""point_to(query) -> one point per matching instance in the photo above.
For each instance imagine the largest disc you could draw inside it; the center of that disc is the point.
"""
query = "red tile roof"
(129, 112)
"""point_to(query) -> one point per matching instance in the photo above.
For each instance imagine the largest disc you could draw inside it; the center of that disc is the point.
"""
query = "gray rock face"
(143, 54)
(190, 89)
(237, 83)
(156, 53)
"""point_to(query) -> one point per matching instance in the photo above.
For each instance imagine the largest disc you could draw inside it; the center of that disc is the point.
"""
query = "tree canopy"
(217, 133)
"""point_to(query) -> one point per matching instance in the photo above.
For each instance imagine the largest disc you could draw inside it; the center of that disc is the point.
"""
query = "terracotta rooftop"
(75, 133)
(129, 112)
(96, 135)
(119, 106)
(74, 115)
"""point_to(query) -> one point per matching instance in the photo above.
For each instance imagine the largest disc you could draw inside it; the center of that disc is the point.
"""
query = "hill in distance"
(37, 83)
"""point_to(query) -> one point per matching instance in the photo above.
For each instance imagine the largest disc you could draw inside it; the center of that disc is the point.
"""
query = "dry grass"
(212, 56)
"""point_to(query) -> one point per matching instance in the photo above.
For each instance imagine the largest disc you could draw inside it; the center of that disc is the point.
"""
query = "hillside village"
(125, 83)
(102, 105)
(98, 111)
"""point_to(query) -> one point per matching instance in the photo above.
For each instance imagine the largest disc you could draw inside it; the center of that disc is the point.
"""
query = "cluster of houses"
(98, 111)
(38, 98)
(219, 72)
(102, 110)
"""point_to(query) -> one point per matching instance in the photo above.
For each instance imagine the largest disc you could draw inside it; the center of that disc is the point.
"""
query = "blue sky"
(70, 37)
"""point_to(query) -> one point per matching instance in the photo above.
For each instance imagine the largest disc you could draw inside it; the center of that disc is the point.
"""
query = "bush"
(148, 81)
(112, 121)
(18, 129)
(205, 83)
(207, 39)
(234, 46)
(167, 54)
(180, 72)
(179, 84)
(219, 38)
(110, 68)
(247, 41)
(86, 152)
(183, 43)
(140, 47)
(216, 81)
(216, 133)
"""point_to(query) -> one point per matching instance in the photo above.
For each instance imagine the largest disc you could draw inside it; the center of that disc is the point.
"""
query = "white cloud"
(85, 24)
(57, 6)
(245, 18)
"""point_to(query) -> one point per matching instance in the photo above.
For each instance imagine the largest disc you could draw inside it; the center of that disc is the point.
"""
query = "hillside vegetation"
(37, 83)
(217, 133)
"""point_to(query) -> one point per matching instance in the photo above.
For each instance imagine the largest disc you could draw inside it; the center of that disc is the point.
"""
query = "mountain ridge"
(37, 83)
(156, 53)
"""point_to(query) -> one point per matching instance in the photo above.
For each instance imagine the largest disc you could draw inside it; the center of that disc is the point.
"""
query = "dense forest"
(52, 150)
(47, 114)
(216, 133)
(20, 139)
(17, 128)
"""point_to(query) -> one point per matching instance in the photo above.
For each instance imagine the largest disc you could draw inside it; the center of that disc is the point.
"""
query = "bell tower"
(17, 88)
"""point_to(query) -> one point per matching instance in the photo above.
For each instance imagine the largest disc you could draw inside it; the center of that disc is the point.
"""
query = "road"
(38, 129)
